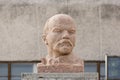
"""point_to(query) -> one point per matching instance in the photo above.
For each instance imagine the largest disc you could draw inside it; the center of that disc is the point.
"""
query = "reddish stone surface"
(61, 68)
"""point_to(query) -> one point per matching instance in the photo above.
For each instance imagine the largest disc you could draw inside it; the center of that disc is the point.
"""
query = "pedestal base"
(62, 68)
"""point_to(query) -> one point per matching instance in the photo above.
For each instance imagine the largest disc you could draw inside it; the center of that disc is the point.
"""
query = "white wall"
(22, 21)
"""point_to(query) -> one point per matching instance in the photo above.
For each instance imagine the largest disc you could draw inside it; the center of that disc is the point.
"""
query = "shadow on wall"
(110, 11)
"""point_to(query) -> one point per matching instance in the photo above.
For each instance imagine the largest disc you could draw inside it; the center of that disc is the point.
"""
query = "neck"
(53, 54)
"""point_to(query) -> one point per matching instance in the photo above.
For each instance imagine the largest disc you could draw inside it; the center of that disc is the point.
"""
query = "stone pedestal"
(60, 68)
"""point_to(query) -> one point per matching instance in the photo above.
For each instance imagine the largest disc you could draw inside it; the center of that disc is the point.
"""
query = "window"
(17, 69)
(90, 67)
(3, 71)
(96, 66)
(12, 71)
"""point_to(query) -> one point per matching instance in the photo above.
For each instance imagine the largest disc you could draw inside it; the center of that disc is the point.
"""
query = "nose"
(65, 35)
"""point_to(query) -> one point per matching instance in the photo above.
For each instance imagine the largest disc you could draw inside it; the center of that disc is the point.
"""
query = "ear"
(44, 39)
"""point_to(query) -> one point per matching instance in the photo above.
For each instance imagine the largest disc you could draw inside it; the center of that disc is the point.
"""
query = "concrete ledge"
(60, 76)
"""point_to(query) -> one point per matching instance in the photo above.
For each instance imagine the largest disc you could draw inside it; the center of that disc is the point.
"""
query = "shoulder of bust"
(42, 62)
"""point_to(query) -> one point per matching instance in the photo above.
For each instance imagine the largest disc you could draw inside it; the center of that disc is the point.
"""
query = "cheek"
(52, 38)
(73, 39)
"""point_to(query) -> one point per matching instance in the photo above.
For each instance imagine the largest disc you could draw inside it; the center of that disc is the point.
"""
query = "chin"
(65, 51)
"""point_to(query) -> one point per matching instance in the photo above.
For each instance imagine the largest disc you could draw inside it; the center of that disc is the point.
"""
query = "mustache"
(64, 41)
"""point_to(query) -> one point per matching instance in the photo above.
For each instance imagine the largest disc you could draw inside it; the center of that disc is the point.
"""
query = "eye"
(72, 31)
(57, 30)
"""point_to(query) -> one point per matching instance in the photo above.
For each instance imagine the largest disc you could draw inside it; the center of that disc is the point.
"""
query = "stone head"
(59, 35)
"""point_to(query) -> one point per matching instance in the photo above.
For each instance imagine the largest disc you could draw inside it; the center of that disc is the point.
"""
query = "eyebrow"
(56, 28)
(73, 29)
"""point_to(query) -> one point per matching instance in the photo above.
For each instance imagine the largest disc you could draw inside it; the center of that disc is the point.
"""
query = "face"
(61, 36)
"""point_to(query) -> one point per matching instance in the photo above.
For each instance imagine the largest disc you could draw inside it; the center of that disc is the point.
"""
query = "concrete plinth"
(60, 69)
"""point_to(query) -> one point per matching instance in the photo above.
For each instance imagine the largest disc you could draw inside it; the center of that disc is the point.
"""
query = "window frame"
(98, 66)
(11, 62)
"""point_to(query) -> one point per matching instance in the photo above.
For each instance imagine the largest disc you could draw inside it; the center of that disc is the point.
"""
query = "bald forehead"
(57, 20)
(62, 18)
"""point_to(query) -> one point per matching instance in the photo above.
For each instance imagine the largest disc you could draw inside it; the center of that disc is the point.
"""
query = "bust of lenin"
(59, 36)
